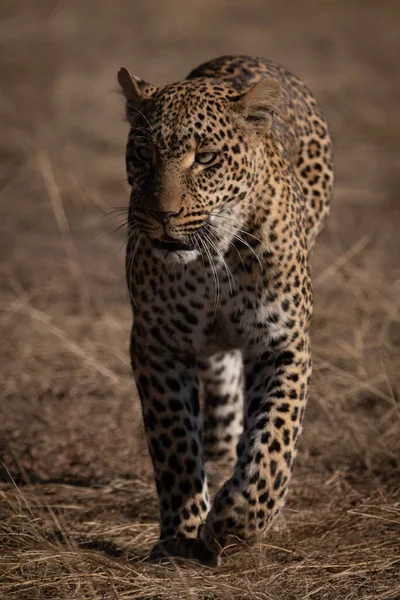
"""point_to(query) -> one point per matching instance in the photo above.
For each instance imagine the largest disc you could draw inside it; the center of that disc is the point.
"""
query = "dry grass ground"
(77, 505)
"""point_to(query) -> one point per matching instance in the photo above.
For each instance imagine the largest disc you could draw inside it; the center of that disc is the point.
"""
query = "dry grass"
(77, 507)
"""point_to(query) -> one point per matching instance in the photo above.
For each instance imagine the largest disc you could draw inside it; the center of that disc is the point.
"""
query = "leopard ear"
(258, 105)
(129, 85)
(135, 90)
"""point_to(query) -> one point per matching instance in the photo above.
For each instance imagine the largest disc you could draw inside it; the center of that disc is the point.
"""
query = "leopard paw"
(184, 548)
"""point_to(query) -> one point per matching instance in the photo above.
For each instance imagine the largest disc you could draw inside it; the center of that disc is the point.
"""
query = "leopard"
(231, 177)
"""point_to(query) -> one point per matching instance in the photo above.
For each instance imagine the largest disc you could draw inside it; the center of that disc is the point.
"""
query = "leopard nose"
(163, 216)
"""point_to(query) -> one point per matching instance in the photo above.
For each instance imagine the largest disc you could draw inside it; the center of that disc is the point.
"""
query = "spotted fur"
(231, 175)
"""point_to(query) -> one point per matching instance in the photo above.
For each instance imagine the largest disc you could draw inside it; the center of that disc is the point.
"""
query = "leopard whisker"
(131, 260)
(141, 114)
(117, 209)
(196, 242)
(231, 280)
(232, 232)
(219, 216)
(215, 275)
(224, 234)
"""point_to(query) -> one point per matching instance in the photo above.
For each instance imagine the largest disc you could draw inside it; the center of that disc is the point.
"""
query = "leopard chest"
(186, 311)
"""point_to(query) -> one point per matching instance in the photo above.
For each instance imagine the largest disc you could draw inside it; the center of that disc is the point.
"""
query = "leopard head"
(192, 159)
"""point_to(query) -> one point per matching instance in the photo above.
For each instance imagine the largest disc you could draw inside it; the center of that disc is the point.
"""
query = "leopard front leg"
(168, 387)
(222, 377)
(276, 390)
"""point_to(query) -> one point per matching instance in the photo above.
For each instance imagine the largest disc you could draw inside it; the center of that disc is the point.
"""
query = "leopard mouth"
(171, 245)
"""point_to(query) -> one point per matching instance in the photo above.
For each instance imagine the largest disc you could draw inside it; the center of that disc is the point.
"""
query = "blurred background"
(70, 426)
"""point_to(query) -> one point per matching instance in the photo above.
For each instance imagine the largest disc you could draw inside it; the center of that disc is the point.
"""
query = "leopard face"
(193, 152)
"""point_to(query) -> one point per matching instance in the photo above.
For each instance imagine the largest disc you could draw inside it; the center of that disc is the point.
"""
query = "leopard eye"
(144, 153)
(205, 158)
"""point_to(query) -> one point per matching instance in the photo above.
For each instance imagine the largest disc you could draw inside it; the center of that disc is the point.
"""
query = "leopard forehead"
(194, 94)
(184, 115)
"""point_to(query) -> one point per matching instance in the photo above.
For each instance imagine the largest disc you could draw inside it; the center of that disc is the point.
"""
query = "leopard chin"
(175, 256)
(171, 251)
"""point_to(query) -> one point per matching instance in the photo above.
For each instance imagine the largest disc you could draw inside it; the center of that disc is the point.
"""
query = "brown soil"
(77, 509)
